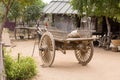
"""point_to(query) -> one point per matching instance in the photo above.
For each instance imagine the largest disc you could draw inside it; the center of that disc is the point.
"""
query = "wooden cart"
(54, 39)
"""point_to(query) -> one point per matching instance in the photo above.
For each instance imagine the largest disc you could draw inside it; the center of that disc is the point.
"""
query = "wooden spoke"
(84, 54)
(47, 49)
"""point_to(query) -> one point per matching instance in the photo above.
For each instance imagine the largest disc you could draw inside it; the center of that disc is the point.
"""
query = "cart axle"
(43, 48)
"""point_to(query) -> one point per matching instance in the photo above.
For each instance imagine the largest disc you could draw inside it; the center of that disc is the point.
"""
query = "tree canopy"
(27, 12)
(31, 13)
(18, 7)
(108, 8)
(11, 8)
(14, 11)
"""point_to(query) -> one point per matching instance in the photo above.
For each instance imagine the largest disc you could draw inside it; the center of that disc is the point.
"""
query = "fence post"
(2, 70)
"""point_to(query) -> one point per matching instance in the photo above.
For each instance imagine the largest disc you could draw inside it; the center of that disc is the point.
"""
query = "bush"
(21, 69)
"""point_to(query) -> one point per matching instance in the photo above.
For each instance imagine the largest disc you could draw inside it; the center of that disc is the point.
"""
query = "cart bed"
(62, 35)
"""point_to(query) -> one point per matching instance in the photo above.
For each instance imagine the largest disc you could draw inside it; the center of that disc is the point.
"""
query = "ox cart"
(53, 39)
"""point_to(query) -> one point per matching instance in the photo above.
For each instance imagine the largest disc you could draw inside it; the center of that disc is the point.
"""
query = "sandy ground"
(105, 65)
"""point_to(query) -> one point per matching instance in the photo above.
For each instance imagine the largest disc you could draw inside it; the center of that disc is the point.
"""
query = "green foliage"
(40, 3)
(21, 69)
(7, 7)
(32, 13)
(14, 10)
(26, 2)
(109, 8)
(18, 7)
(1, 11)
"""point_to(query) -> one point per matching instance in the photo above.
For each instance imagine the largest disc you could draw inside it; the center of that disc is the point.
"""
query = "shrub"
(21, 69)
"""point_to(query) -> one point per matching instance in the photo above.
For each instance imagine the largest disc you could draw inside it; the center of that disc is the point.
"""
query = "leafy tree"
(8, 6)
(40, 3)
(32, 13)
(1, 11)
(14, 11)
(107, 8)
(14, 8)
(26, 12)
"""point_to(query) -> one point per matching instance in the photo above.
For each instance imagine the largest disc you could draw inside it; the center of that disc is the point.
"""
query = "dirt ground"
(105, 65)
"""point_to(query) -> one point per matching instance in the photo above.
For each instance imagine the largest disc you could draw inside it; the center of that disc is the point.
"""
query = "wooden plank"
(59, 39)
(79, 39)
(74, 39)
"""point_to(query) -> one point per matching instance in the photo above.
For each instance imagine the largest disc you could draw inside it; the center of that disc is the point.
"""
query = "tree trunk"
(108, 27)
(3, 22)
(1, 44)
(7, 8)
(108, 37)
(1, 28)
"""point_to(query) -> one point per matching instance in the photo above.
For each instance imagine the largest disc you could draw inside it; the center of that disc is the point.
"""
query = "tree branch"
(4, 3)
(9, 4)
(12, 3)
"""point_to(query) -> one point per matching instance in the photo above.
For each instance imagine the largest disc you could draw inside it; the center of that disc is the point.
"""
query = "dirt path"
(105, 65)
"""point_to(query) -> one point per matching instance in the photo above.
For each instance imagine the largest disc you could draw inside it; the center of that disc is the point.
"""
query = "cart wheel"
(47, 49)
(84, 53)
